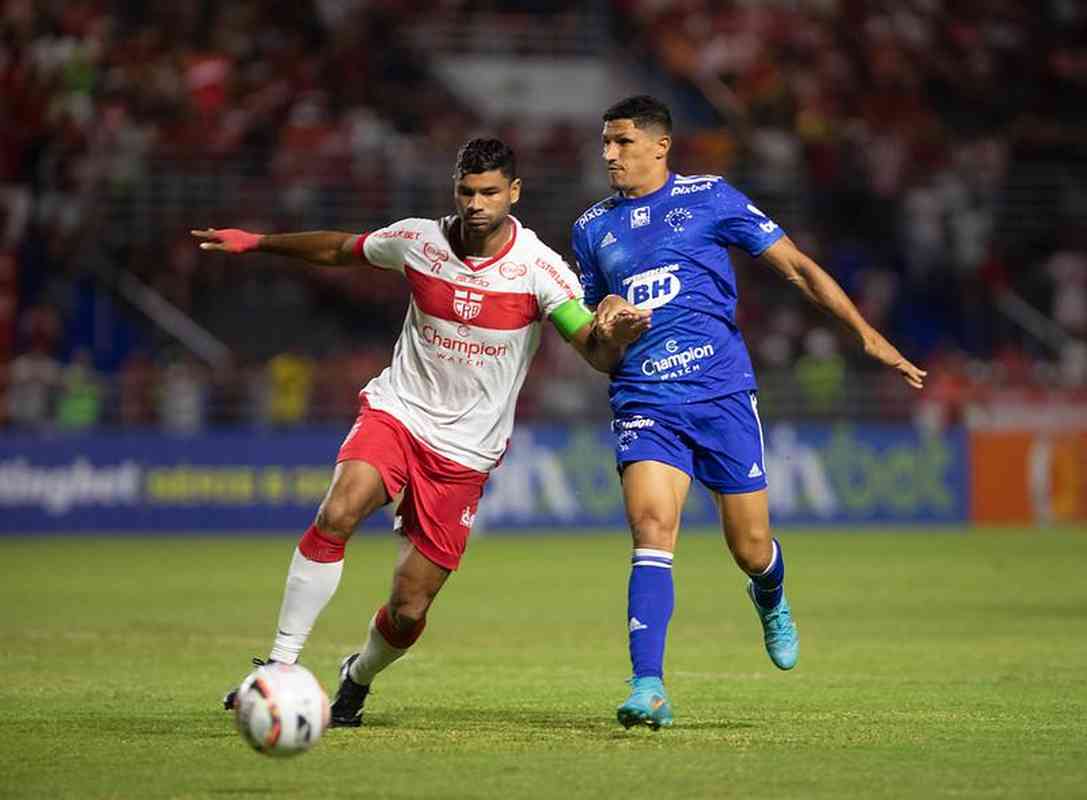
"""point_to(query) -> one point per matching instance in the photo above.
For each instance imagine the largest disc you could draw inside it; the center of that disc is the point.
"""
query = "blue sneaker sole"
(629, 717)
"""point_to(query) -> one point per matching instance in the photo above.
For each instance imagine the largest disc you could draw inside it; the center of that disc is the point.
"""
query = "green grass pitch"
(932, 664)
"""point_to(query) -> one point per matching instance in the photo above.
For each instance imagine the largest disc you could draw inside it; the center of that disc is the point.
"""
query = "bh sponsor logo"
(653, 288)
(677, 362)
(467, 304)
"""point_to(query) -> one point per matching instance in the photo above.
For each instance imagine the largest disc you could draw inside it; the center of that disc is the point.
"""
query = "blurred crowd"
(177, 392)
(931, 154)
(936, 152)
(181, 394)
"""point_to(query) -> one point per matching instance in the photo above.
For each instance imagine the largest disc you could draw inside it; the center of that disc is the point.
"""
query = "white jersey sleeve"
(389, 247)
(554, 282)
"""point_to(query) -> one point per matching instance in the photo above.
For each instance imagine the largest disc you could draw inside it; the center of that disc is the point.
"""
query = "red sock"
(320, 547)
(401, 641)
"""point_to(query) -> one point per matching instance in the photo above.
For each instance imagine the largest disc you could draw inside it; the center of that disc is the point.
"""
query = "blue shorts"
(718, 442)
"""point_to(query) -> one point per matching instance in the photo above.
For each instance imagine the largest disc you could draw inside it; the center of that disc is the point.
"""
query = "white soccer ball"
(281, 709)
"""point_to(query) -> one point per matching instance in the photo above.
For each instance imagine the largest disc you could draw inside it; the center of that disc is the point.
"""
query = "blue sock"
(650, 599)
(768, 584)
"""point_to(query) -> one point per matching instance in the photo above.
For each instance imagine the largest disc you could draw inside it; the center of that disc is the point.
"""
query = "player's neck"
(485, 246)
(652, 184)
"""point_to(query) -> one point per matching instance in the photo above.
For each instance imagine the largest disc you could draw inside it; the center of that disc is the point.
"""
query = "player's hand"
(228, 240)
(914, 376)
(884, 351)
(619, 322)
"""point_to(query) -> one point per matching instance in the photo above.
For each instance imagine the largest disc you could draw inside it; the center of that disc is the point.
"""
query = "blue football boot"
(647, 705)
(778, 631)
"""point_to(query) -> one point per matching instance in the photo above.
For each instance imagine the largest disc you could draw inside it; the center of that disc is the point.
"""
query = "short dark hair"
(643, 111)
(483, 155)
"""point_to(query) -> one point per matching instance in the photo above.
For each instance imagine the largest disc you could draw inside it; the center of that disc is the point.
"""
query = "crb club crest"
(467, 304)
(677, 218)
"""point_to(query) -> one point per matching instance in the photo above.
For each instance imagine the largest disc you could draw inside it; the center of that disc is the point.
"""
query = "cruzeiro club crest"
(677, 218)
(467, 304)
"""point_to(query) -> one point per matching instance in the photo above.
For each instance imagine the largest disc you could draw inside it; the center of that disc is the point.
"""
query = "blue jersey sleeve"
(741, 224)
(592, 282)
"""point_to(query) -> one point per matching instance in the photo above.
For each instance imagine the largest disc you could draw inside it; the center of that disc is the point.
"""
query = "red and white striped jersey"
(468, 337)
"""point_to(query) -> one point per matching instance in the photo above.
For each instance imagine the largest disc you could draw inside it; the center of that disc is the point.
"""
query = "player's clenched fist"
(228, 240)
(619, 322)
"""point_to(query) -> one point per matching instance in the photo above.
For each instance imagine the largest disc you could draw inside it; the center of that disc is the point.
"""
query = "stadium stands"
(927, 157)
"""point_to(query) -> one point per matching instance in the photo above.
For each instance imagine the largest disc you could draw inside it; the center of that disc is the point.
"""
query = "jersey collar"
(502, 253)
(649, 198)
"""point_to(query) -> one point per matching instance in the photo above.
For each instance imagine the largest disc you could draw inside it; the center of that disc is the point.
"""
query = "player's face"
(635, 156)
(484, 200)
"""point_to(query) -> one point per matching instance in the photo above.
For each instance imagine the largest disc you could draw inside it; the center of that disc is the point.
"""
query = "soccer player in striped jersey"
(437, 420)
(683, 396)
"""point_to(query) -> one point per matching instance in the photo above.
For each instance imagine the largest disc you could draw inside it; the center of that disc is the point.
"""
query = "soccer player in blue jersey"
(683, 396)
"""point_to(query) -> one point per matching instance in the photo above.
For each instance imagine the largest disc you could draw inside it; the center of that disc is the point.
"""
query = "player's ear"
(664, 144)
(515, 190)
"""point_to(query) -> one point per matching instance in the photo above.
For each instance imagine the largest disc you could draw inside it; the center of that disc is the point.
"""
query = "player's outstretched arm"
(819, 287)
(327, 248)
(603, 338)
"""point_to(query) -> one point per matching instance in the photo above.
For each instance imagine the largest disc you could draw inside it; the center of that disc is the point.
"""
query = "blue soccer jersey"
(667, 251)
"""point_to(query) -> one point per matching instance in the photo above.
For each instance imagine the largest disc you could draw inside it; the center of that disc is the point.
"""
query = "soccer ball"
(281, 709)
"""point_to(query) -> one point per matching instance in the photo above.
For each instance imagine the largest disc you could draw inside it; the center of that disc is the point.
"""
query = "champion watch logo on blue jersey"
(639, 217)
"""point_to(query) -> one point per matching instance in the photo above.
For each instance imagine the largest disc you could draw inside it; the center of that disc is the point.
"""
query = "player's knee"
(752, 553)
(652, 531)
(356, 492)
(338, 516)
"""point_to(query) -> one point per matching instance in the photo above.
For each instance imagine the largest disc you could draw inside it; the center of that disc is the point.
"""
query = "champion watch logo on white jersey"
(639, 216)
(754, 472)
(467, 304)
(637, 625)
(608, 239)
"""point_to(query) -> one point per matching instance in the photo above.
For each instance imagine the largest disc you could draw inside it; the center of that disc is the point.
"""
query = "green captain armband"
(571, 317)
